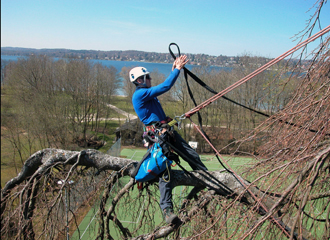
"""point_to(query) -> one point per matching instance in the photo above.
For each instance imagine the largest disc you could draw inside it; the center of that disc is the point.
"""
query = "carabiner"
(179, 119)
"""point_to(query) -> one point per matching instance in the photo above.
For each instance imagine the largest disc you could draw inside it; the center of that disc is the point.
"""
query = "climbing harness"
(149, 131)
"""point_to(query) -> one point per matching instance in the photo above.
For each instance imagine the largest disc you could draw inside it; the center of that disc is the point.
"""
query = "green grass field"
(88, 227)
(209, 160)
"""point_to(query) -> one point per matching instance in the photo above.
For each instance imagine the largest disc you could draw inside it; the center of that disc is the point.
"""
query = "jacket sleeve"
(163, 87)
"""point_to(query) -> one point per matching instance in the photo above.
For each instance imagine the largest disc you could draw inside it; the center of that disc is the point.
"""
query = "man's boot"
(169, 215)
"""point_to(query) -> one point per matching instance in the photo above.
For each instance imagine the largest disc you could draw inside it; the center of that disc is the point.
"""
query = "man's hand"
(180, 62)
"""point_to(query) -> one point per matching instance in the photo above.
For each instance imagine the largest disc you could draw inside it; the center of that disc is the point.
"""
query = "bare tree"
(129, 88)
(285, 195)
(282, 193)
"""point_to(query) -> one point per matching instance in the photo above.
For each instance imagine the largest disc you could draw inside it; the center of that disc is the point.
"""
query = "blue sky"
(257, 27)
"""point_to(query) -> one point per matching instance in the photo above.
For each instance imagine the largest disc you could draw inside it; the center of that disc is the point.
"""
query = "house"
(130, 133)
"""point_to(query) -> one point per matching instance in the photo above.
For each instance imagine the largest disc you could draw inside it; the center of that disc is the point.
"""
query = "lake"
(164, 68)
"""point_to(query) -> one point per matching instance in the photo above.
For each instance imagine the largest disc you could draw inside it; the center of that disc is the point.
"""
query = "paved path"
(128, 115)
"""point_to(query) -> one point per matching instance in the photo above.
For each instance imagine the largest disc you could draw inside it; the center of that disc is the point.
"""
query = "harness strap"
(149, 134)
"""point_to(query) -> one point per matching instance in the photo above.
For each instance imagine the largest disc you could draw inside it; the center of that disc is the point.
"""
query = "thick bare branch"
(220, 182)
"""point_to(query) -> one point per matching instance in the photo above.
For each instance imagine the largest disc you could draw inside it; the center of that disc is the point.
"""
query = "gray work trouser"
(190, 156)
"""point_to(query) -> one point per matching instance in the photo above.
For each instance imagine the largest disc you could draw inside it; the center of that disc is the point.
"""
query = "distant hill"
(128, 55)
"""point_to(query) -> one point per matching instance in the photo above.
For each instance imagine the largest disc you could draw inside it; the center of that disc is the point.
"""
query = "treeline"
(129, 55)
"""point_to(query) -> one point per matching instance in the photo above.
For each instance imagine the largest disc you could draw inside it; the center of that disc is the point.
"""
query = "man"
(150, 111)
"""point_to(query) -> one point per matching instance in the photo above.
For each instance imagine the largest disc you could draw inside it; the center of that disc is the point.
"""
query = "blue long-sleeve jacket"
(145, 102)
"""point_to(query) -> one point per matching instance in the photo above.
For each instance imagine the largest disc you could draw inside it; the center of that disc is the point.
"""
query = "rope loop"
(170, 50)
(169, 174)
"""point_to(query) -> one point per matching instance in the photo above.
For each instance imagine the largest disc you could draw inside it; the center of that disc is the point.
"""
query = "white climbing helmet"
(137, 72)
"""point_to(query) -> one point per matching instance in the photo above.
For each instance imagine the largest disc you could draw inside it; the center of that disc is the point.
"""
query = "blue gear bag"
(152, 164)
